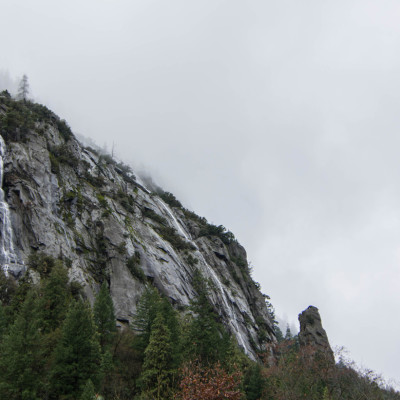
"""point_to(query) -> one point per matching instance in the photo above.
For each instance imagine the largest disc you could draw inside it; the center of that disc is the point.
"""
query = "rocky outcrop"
(76, 204)
(312, 334)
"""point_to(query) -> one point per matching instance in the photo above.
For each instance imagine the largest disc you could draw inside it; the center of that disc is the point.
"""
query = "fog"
(278, 120)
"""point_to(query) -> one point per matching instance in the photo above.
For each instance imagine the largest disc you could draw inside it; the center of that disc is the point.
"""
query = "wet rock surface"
(76, 204)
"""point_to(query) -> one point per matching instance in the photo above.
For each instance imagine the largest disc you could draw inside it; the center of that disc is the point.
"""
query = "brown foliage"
(312, 375)
(208, 383)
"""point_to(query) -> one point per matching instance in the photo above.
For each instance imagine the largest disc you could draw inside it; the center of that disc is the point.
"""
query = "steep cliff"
(71, 202)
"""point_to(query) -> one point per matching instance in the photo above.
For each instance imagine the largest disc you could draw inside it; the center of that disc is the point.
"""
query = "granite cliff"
(72, 202)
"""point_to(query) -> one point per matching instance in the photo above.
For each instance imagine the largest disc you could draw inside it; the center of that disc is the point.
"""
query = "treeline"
(53, 345)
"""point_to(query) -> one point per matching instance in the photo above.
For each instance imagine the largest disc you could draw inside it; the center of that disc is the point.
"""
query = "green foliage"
(192, 261)
(64, 129)
(206, 339)
(104, 204)
(106, 159)
(43, 263)
(133, 265)
(278, 334)
(24, 116)
(77, 355)
(121, 248)
(104, 317)
(3, 321)
(88, 392)
(62, 155)
(157, 366)
(254, 382)
(54, 164)
(208, 229)
(149, 213)
(168, 233)
(54, 299)
(95, 181)
(126, 201)
(146, 312)
(126, 172)
(7, 288)
(21, 360)
(170, 199)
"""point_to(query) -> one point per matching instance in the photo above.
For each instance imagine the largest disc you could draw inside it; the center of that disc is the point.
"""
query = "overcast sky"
(278, 119)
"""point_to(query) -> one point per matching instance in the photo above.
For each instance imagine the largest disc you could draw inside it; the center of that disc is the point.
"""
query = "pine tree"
(21, 355)
(146, 312)
(254, 383)
(104, 317)
(88, 392)
(288, 334)
(157, 366)
(206, 339)
(172, 321)
(3, 321)
(23, 89)
(77, 355)
(54, 300)
(278, 334)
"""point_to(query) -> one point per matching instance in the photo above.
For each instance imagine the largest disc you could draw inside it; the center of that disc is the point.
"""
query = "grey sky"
(277, 119)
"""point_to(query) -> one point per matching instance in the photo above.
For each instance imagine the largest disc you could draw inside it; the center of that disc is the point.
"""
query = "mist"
(277, 120)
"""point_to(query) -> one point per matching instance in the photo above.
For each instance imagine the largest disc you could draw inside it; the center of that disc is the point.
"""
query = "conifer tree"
(23, 89)
(254, 382)
(146, 312)
(21, 360)
(3, 321)
(77, 355)
(206, 339)
(104, 317)
(54, 300)
(88, 392)
(288, 334)
(156, 376)
(278, 334)
(173, 324)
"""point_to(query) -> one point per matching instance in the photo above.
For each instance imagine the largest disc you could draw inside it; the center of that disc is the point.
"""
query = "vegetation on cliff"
(54, 345)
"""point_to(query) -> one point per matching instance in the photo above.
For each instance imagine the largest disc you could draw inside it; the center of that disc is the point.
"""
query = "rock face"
(312, 333)
(73, 203)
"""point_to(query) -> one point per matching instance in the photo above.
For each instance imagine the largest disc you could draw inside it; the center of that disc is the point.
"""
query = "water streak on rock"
(7, 252)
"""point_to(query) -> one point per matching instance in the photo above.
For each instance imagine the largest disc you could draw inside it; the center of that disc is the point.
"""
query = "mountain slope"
(71, 202)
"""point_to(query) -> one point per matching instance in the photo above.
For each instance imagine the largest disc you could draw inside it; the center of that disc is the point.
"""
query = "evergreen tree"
(254, 382)
(104, 317)
(172, 322)
(146, 312)
(21, 359)
(288, 334)
(157, 366)
(278, 334)
(88, 391)
(54, 299)
(206, 339)
(77, 355)
(3, 321)
(23, 89)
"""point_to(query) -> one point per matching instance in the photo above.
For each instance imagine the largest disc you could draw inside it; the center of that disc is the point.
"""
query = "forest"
(55, 345)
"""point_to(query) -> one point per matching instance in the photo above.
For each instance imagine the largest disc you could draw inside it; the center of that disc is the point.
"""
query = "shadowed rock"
(312, 334)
